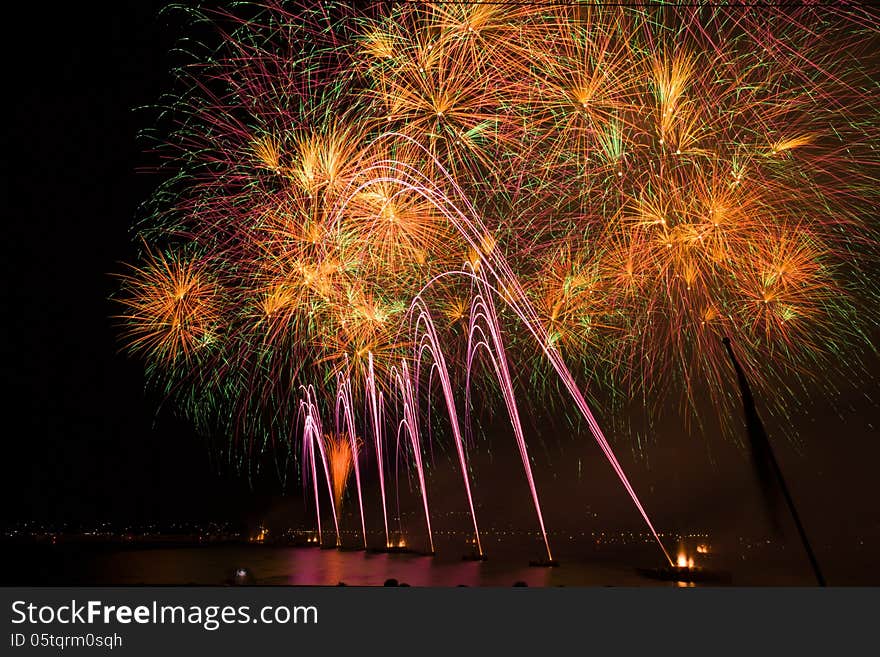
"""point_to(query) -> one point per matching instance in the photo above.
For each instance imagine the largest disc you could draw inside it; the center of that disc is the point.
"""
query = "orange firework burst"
(172, 308)
(653, 178)
(341, 458)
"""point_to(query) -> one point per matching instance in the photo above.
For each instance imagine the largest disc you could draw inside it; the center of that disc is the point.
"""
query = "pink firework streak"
(410, 426)
(473, 230)
(483, 319)
(313, 436)
(344, 404)
(375, 402)
(429, 344)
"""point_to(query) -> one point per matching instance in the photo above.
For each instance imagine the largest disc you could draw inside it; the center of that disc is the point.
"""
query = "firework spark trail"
(313, 435)
(429, 343)
(410, 424)
(346, 426)
(483, 317)
(341, 457)
(473, 230)
(376, 415)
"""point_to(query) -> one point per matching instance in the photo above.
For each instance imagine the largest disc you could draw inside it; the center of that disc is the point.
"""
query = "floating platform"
(351, 548)
(474, 557)
(685, 574)
(544, 563)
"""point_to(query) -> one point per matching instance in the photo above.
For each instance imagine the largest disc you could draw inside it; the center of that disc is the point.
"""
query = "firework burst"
(631, 184)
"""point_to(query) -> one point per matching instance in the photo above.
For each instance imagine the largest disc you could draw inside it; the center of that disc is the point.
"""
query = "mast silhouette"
(765, 460)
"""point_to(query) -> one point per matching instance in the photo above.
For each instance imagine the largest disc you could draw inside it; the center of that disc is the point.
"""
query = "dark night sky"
(81, 437)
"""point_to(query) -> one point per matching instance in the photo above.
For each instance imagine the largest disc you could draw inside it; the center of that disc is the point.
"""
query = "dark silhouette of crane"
(766, 466)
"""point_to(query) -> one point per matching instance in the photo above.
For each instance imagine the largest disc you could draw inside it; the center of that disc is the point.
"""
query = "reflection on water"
(308, 566)
(268, 565)
(312, 566)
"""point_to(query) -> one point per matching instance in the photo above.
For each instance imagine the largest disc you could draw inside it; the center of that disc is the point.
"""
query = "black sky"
(81, 437)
